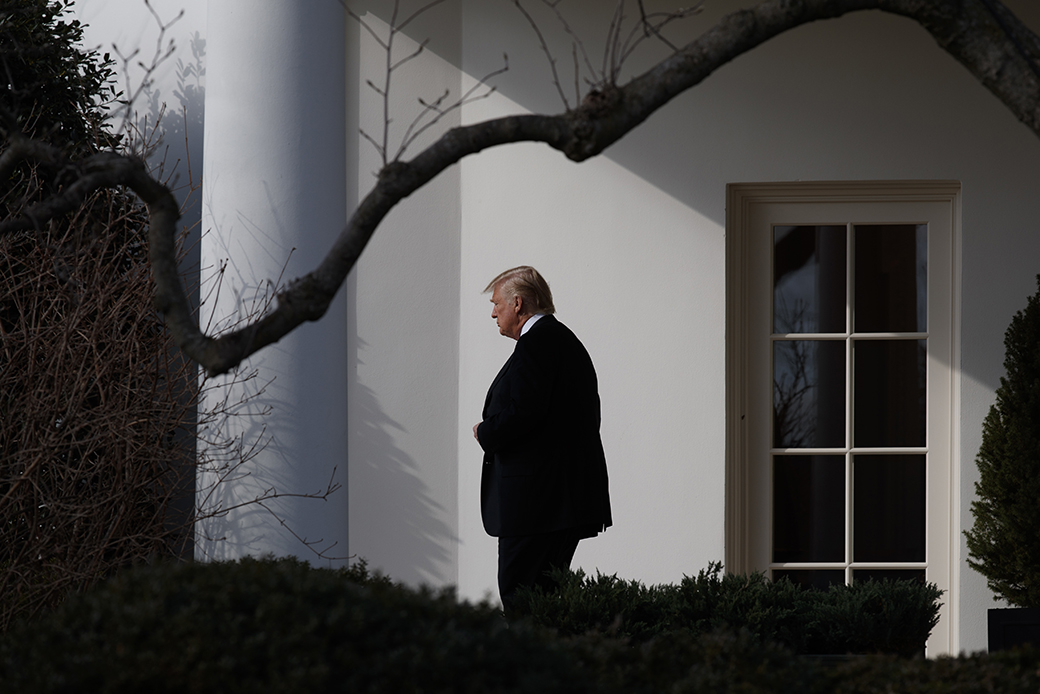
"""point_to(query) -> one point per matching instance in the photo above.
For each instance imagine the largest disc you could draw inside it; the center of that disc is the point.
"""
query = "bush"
(1004, 542)
(97, 410)
(869, 617)
(606, 604)
(773, 611)
(893, 617)
(680, 662)
(53, 89)
(283, 626)
(1015, 672)
(275, 626)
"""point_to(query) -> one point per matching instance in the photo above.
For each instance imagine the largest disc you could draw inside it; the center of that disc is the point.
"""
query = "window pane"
(891, 277)
(820, 579)
(809, 266)
(808, 393)
(889, 392)
(808, 508)
(888, 508)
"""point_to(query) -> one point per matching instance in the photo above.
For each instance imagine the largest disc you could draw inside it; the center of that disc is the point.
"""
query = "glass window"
(855, 386)
(890, 390)
(809, 271)
(808, 508)
(888, 508)
(891, 271)
(808, 393)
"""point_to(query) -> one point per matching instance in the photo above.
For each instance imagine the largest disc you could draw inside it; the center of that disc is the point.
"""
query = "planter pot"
(1013, 626)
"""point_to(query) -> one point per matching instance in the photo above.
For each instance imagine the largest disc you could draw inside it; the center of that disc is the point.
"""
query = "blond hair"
(526, 282)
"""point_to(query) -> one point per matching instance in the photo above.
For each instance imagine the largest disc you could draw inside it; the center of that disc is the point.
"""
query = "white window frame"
(743, 202)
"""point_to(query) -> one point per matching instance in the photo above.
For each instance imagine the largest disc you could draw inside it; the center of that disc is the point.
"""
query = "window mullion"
(850, 285)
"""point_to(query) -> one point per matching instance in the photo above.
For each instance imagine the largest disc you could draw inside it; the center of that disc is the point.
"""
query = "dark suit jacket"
(544, 468)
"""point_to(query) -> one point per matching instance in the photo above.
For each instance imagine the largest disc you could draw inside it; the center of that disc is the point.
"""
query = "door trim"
(740, 200)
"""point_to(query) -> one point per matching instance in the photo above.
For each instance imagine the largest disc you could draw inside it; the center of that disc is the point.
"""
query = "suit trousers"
(525, 560)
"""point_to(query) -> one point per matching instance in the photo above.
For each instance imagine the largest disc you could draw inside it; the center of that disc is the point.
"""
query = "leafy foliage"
(1009, 672)
(870, 617)
(54, 90)
(276, 626)
(1004, 542)
(283, 626)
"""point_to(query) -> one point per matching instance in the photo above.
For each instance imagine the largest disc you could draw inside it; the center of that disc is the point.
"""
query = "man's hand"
(475, 432)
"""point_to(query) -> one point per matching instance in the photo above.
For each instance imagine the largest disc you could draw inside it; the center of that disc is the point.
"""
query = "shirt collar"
(530, 322)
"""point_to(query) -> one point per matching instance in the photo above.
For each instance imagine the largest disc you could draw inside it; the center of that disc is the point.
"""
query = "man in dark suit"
(543, 485)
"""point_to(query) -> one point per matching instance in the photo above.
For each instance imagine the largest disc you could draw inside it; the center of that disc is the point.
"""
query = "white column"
(274, 198)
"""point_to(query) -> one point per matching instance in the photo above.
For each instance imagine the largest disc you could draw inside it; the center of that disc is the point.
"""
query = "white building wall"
(637, 273)
(632, 243)
(403, 343)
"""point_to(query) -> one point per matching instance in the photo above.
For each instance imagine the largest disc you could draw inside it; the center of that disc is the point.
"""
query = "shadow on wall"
(396, 524)
(245, 502)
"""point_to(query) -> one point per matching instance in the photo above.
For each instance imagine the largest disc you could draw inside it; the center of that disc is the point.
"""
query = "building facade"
(716, 262)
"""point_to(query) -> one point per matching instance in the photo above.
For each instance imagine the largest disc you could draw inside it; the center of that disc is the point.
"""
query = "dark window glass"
(888, 508)
(808, 508)
(809, 269)
(889, 386)
(808, 393)
(891, 278)
(820, 579)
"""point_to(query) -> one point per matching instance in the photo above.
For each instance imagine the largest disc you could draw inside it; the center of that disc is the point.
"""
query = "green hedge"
(892, 617)
(274, 626)
(1016, 672)
(281, 626)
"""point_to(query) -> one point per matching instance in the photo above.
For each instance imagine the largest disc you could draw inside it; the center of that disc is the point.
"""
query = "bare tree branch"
(428, 6)
(546, 51)
(1002, 56)
(577, 46)
(383, 148)
(467, 98)
(651, 26)
(163, 50)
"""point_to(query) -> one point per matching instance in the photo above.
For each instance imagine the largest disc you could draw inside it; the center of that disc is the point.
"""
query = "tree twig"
(545, 50)
(580, 133)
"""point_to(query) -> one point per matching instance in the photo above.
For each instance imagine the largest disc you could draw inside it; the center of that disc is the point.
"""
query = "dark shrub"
(868, 617)
(1004, 673)
(773, 611)
(1004, 542)
(727, 661)
(892, 617)
(604, 604)
(97, 415)
(283, 626)
(276, 626)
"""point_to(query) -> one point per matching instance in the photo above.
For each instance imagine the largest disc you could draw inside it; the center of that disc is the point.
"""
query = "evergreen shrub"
(284, 626)
(1009, 672)
(1004, 542)
(893, 617)
(275, 626)
(54, 90)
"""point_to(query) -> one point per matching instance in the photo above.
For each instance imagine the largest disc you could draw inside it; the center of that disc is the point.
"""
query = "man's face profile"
(505, 313)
